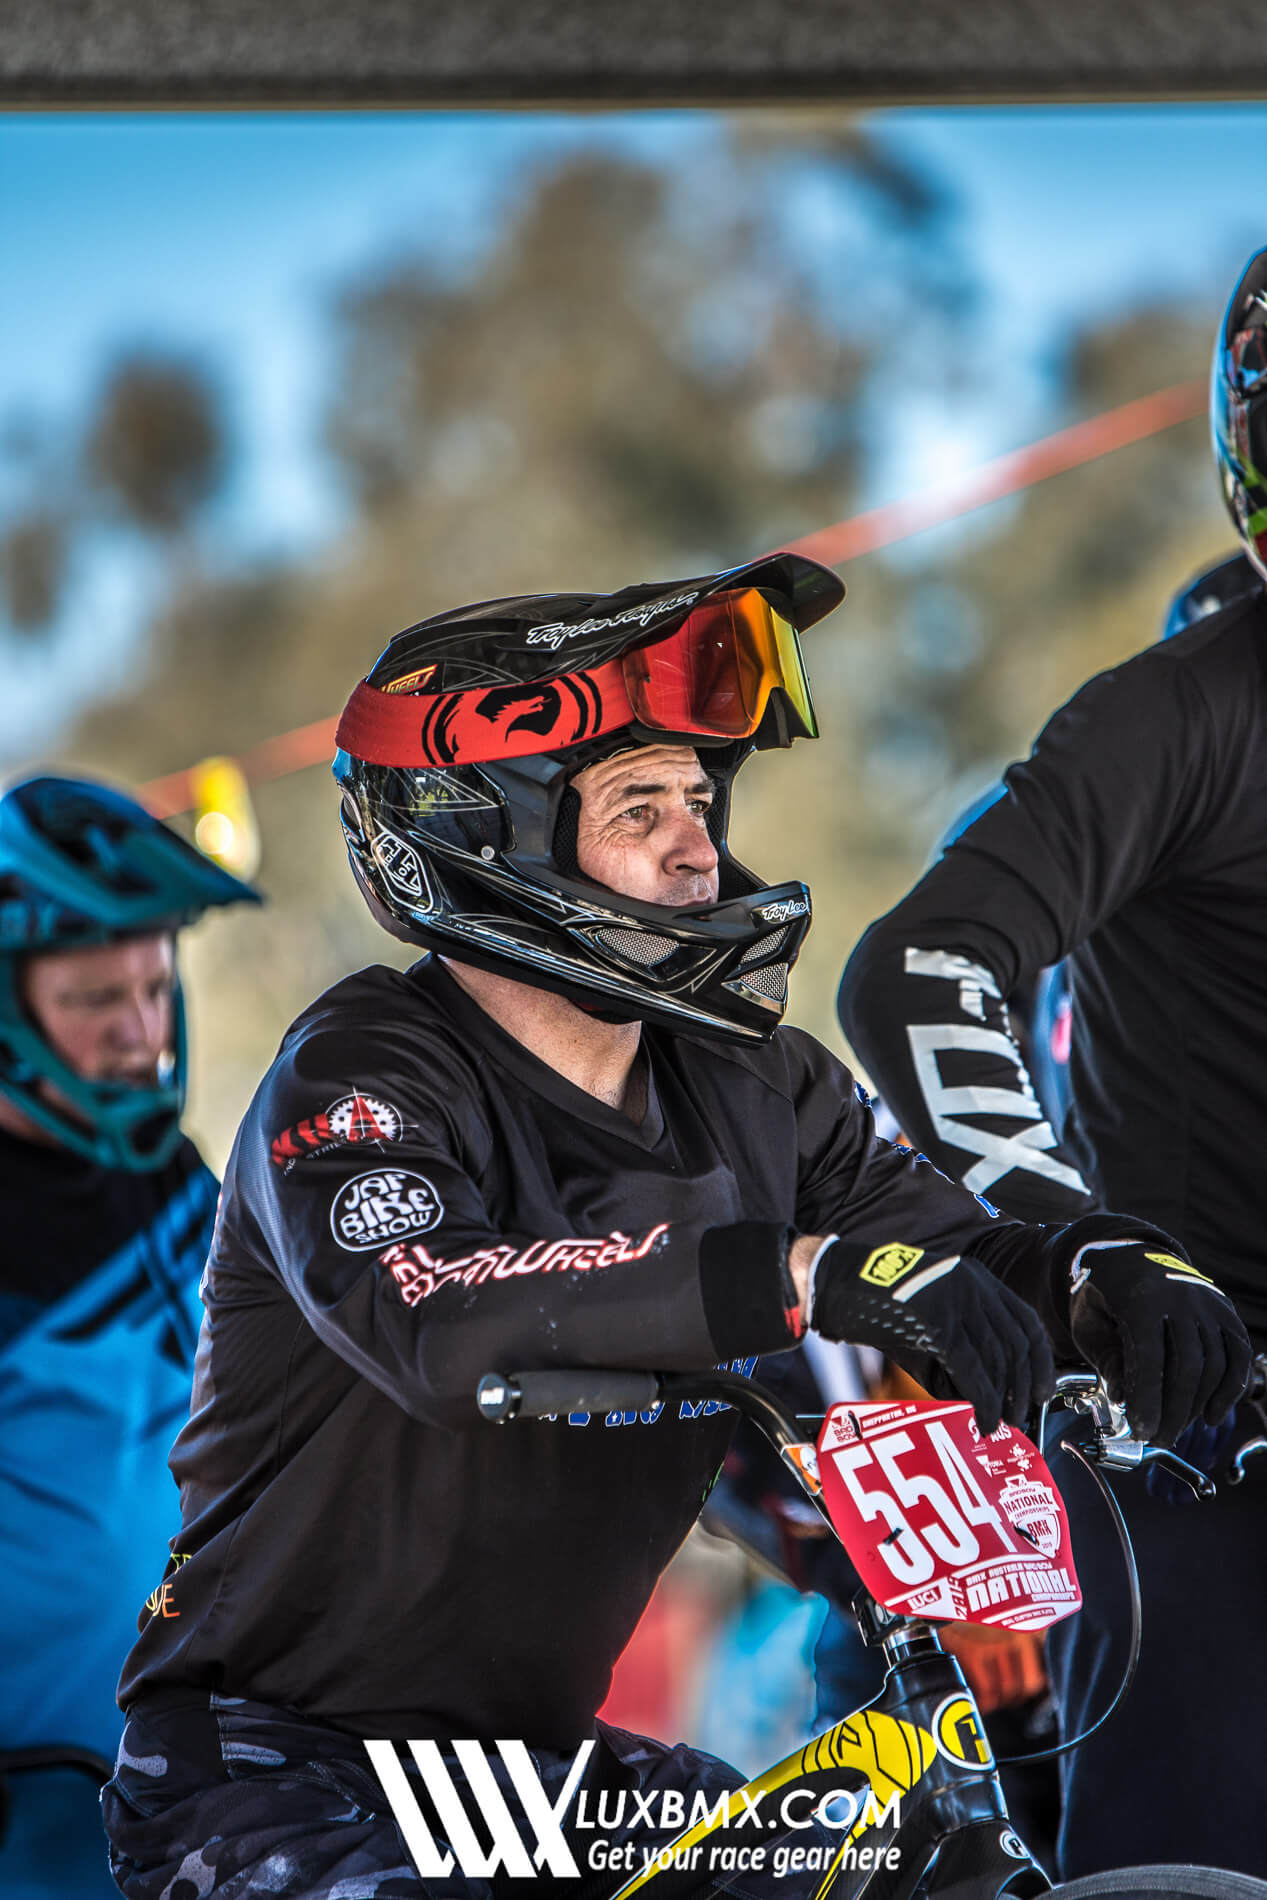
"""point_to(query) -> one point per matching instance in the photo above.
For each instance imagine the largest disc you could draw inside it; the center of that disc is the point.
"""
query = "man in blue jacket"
(107, 1216)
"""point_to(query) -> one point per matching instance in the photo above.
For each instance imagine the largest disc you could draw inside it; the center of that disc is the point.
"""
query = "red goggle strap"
(485, 722)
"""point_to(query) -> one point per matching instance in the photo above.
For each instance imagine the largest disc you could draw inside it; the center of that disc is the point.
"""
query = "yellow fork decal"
(891, 1753)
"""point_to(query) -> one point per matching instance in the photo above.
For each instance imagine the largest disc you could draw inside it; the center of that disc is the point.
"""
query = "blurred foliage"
(646, 377)
(33, 553)
(156, 444)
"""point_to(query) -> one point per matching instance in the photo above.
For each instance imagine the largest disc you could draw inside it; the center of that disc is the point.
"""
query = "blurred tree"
(37, 530)
(157, 443)
(991, 639)
(601, 370)
(33, 557)
(645, 377)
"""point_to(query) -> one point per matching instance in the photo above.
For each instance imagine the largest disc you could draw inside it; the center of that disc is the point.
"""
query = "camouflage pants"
(222, 1797)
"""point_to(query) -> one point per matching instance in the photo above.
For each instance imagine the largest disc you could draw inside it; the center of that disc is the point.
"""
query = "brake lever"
(1256, 1394)
(1236, 1472)
(1114, 1445)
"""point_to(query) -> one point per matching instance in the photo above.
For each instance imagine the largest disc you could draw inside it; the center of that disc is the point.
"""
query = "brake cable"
(1137, 1624)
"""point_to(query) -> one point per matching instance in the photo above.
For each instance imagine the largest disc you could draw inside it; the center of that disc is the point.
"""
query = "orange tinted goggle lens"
(715, 674)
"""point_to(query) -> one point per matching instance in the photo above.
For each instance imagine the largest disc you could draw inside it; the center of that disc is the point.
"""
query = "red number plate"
(943, 1523)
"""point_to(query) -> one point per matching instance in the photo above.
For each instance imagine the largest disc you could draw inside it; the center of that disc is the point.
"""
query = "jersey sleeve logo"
(419, 1274)
(352, 1118)
(383, 1206)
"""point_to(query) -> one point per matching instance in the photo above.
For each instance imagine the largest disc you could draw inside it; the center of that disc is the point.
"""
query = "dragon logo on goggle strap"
(560, 712)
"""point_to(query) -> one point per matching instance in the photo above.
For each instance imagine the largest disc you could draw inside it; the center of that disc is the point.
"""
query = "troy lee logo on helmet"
(784, 911)
(554, 633)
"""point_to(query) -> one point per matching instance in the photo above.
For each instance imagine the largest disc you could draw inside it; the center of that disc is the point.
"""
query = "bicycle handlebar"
(547, 1394)
(502, 1396)
(505, 1396)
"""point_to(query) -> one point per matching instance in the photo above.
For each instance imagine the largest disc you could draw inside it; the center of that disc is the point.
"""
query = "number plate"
(943, 1523)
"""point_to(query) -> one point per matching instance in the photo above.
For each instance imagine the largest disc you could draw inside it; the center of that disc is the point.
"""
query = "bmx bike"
(942, 1524)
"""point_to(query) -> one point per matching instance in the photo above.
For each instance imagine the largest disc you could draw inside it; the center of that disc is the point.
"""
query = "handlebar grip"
(506, 1395)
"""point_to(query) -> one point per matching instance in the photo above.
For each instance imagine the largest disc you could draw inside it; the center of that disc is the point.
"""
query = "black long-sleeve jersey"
(414, 1199)
(1134, 842)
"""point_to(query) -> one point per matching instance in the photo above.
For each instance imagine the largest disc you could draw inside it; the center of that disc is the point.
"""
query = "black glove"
(988, 1345)
(1170, 1345)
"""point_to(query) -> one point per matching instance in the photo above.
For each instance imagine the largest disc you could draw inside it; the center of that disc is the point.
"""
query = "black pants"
(1179, 1773)
(225, 1798)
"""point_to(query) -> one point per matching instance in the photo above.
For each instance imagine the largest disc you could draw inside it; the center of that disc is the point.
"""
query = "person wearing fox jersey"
(573, 1135)
(1133, 842)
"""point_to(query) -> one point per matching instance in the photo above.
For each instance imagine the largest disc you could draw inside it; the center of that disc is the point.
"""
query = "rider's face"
(643, 828)
(106, 1009)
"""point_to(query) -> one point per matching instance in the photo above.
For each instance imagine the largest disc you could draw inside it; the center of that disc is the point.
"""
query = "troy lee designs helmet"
(1238, 409)
(456, 756)
(81, 864)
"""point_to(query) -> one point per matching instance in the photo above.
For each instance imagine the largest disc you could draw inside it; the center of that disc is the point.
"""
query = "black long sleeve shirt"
(1133, 841)
(414, 1199)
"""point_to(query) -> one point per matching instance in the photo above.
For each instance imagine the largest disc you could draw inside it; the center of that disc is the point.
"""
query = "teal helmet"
(81, 864)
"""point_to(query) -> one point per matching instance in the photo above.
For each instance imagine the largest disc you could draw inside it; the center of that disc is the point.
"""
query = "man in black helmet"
(1134, 843)
(107, 1219)
(574, 1136)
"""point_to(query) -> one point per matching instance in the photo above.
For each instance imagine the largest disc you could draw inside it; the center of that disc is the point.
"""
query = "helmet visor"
(714, 675)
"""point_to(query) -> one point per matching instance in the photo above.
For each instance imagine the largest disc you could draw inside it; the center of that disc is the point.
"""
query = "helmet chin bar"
(746, 1014)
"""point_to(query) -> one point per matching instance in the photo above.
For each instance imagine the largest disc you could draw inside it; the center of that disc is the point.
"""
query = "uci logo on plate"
(385, 1205)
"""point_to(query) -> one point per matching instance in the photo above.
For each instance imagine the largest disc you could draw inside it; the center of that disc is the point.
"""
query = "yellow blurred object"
(224, 818)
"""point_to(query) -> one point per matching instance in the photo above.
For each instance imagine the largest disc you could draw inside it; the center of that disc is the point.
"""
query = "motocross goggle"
(711, 678)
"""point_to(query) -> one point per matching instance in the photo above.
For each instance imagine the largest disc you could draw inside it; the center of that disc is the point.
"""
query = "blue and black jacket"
(99, 1317)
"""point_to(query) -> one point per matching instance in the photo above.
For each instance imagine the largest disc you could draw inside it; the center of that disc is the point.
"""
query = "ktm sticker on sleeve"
(353, 1118)
(887, 1265)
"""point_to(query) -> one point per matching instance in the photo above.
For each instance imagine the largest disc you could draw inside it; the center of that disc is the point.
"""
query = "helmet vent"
(763, 948)
(642, 947)
(770, 981)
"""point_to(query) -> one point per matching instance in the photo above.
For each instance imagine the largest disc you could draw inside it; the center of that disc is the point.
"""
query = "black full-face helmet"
(1238, 409)
(456, 760)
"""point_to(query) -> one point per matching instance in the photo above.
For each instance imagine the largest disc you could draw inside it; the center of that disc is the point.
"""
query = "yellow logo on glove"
(1173, 1264)
(887, 1265)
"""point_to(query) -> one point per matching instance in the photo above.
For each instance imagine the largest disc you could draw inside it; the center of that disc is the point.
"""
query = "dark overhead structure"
(189, 53)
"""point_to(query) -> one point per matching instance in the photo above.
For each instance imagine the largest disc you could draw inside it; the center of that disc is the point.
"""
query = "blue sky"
(226, 235)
